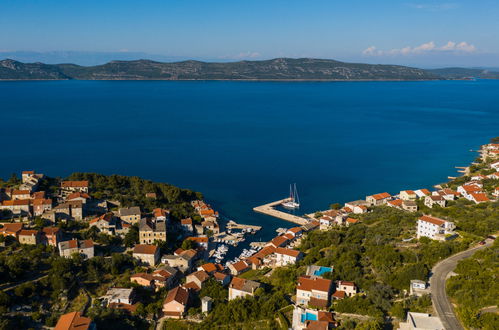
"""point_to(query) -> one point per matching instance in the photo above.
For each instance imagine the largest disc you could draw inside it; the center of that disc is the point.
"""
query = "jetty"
(269, 209)
(233, 225)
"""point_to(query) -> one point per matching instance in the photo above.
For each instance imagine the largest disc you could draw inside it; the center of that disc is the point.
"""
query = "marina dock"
(233, 225)
(269, 209)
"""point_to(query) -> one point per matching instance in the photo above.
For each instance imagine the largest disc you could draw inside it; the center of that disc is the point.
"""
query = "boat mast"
(297, 199)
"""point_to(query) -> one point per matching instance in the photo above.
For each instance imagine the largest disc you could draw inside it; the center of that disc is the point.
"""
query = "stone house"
(148, 254)
(31, 237)
(151, 230)
(85, 248)
(130, 214)
(240, 288)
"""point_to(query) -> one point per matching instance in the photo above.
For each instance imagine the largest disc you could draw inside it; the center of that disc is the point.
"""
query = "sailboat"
(294, 200)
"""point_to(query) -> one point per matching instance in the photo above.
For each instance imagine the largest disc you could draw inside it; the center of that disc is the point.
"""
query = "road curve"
(440, 273)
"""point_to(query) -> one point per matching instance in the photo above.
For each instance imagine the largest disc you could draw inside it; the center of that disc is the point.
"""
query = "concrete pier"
(269, 209)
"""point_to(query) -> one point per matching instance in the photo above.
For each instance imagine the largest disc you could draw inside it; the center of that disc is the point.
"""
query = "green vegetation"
(476, 287)
(275, 69)
(132, 190)
(373, 255)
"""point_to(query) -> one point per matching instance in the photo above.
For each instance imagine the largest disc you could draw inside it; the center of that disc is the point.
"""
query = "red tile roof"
(433, 220)
(381, 196)
(179, 294)
(308, 283)
(289, 252)
(145, 249)
(73, 321)
(74, 184)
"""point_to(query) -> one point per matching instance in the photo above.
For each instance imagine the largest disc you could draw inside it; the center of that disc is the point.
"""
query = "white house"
(422, 192)
(468, 189)
(495, 166)
(119, 296)
(315, 291)
(434, 228)
(407, 195)
(349, 288)
(286, 256)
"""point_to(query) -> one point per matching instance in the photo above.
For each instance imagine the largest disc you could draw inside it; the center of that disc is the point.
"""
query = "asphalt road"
(439, 298)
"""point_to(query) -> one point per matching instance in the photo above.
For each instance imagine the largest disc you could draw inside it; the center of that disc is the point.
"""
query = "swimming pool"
(322, 270)
(308, 317)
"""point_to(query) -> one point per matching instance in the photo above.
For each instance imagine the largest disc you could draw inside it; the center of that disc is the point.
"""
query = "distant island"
(275, 69)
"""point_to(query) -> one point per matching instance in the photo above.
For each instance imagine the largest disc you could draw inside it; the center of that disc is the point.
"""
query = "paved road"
(439, 298)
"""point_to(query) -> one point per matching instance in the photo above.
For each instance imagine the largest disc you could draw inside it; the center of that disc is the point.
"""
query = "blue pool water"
(308, 317)
(321, 271)
(243, 143)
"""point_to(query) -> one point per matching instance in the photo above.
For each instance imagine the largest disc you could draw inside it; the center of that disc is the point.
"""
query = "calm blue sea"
(242, 143)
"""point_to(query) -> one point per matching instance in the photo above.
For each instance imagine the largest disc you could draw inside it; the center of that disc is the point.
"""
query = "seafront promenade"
(269, 209)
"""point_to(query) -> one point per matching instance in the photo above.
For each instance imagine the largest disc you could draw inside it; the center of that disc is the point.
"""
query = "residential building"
(161, 214)
(17, 206)
(78, 196)
(148, 254)
(195, 280)
(41, 206)
(106, 223)
(467, 189)
(130, 214)
(314, 291)
(71, 210)
(84, 248)
(183, 260)
(278, 241)
(395, 203)
(51, 236)
(187, 226)
(432, 200)
(151, 231)
(222, 278)
(410, 206)
(239, 267)
(74, 321)
(175, 304)
(68, 187)
(20, 194)
(295, 231)
(120, 296)
(308, 318)
(286, 257)
(479, 198)
(408, 195)
(434, 228)
(31, 237)
(421, 193)
(240, 288)
(358, 207)
(11, 229)
(349, 288)
(201, 241)
(378, 199)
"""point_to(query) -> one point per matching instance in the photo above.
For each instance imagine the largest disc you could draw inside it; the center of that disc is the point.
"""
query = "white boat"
(294, 200)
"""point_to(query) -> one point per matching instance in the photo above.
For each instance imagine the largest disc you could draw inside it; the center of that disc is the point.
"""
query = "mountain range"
(275, 69)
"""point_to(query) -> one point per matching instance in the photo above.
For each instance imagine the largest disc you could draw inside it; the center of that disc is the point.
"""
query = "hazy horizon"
(421, 33)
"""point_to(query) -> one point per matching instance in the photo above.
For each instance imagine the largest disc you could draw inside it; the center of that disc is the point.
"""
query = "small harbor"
(270, 209)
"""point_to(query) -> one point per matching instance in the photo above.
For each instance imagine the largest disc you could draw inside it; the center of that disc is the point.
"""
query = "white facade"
(434, 229)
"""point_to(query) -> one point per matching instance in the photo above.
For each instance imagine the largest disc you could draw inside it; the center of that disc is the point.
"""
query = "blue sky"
(424, 33)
